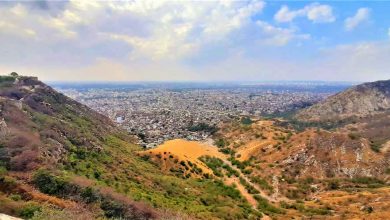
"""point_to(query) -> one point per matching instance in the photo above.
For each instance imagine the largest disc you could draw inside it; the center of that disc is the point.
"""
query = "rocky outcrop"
(7, 217)
(3, 128)
(327, 155)
(358, 101)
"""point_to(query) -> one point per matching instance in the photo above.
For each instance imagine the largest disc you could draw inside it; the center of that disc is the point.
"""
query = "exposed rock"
(17, 103)
(7, 217)
(3, 128)
(358, 101)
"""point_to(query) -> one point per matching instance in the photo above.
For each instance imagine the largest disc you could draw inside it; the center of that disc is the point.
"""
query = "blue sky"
(374, 27)
(196, 41)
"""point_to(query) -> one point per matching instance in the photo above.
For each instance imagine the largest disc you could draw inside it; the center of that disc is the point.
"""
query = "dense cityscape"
(157, 113)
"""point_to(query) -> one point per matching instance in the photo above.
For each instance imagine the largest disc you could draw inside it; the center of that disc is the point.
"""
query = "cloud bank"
(172, 40)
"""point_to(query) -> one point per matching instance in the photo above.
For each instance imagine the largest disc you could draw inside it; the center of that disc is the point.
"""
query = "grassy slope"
(104, 158)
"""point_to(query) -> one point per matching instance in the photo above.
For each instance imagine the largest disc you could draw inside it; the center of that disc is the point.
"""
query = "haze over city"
(196, 41)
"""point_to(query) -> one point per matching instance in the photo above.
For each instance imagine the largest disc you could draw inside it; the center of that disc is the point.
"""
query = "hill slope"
(60, 158)
(315, 172)
(358, 101)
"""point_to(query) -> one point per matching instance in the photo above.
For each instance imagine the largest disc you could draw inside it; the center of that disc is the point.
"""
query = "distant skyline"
(196, 41)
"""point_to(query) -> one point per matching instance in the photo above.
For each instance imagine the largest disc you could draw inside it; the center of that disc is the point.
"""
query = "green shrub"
(248, 187)
(353, 136)
(306, 210)
(7, 79)
(333, 185)
(112, 209)
(375, 147)
(230, 171)
(229, 190)
(262, 183)
(226, 151)
(29, 210)
(239, 164)
(53, 185)
(247, 171)
(89, 195)
(367, 180)
(15, 197)
(3, 170)
(266, 207)
(203, 127)
(96, 174)
(215, 164)
(246, 121)
(221, 143)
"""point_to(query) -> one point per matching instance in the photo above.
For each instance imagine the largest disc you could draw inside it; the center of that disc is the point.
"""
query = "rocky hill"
(358, 101)
(312, 166)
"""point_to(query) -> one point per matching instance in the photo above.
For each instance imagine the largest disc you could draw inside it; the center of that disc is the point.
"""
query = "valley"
(61, 158)
(157, 112)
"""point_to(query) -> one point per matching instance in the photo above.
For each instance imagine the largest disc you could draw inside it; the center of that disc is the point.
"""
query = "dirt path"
(241, 188)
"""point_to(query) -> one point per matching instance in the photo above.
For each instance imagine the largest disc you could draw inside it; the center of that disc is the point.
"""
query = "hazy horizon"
(191, 41)
(253, 82)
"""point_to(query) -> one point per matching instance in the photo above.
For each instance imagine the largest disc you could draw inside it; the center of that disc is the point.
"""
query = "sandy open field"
(188, 150)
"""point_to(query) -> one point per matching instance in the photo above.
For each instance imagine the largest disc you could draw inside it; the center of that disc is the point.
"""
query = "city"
(157, 113)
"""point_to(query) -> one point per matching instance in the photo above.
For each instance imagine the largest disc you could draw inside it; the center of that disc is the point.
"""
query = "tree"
(14, 74)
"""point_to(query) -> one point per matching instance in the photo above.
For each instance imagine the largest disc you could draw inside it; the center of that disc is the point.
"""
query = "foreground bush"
(113, 204)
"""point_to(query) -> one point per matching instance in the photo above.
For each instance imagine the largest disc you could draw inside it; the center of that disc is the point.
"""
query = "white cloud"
(179, 29)
(279, 36)
(153, 30)
(315, 12)
(170, 40)
(362, 14)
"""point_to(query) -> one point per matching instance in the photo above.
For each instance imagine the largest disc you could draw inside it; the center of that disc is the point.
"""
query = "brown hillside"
(358, 101)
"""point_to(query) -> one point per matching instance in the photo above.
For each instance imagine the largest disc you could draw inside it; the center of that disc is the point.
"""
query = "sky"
(196, 40)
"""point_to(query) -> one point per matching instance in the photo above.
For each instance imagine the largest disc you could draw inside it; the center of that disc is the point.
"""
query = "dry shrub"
(8, 206)
(19, 141)
(14, 116)
(26, 160)
(50, 133)
(169, 215)
(30, 193)
(82, 181)
(13, 93)
(23, 151)
(36, 102)
(128, 207)
(61, 203)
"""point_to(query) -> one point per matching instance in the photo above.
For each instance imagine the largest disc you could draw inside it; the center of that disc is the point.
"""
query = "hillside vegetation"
(60, 158)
